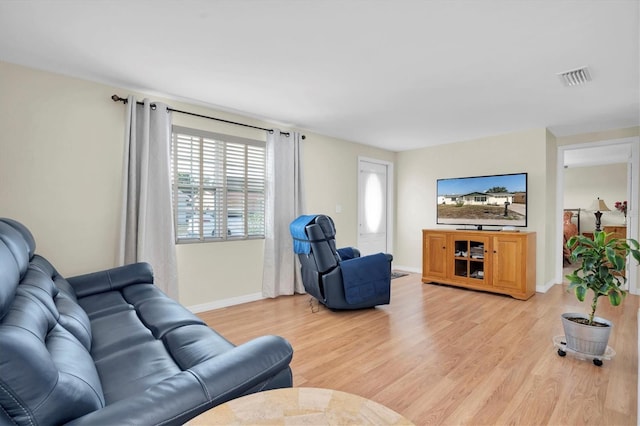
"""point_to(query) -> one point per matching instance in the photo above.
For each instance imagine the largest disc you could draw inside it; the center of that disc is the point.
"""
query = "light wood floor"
(443, 355)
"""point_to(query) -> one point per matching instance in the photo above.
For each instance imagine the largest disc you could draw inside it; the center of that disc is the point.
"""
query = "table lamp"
(598, 207)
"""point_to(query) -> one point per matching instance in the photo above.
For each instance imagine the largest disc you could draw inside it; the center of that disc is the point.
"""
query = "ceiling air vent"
(575, 77)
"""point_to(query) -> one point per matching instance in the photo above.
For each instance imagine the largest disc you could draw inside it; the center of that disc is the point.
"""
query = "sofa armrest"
(205, 385)
(111, 279)
(233, 373)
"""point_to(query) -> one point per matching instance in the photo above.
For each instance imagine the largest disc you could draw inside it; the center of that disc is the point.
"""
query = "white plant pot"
(586, 339)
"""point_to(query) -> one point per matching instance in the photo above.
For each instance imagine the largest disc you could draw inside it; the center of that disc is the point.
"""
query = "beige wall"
(534, 152)
(60, 174)
(331, 179)
(60, 165)
(418, 171)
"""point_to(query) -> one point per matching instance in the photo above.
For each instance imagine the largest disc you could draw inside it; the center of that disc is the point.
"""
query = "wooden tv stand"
(495, 261)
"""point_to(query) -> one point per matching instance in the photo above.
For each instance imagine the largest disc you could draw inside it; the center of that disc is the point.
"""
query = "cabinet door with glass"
(469, 256)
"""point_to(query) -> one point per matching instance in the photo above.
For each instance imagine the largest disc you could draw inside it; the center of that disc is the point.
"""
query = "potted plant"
(601, 263)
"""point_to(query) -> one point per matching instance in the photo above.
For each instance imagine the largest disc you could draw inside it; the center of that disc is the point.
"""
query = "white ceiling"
(389, 73)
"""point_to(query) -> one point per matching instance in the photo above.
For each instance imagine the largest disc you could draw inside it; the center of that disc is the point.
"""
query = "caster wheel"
(563, 353)
(597, 362)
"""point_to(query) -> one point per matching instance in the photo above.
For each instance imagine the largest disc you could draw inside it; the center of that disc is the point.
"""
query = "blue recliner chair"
(338, 278)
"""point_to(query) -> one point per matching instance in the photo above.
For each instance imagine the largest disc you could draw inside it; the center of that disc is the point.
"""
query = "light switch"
(338, 208)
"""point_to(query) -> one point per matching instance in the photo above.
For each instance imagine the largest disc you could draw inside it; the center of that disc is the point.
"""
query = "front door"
(373, 206)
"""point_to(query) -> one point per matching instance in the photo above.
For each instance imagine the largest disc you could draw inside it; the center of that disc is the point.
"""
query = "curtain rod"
(117, 98)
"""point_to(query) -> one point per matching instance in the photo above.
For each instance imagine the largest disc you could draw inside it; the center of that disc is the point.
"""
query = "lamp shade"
(599, 206)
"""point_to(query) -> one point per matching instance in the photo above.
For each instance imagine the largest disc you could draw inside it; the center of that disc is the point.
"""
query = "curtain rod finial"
(117, 98)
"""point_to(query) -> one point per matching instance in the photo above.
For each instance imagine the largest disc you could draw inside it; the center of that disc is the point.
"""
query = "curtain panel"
(284, 201)
(146, 230)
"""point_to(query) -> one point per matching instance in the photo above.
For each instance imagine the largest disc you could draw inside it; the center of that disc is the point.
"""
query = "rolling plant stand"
(560, 343)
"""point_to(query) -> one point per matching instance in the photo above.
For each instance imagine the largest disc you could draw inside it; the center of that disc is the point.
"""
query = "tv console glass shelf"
(495, 261)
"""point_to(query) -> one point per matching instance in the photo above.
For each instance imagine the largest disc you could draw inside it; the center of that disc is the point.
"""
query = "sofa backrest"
(24, 231)
(45, 339)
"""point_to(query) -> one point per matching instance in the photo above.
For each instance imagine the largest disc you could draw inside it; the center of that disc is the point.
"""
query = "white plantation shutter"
(256, 172)
(236, 156)
(218, 186)
(212, 205)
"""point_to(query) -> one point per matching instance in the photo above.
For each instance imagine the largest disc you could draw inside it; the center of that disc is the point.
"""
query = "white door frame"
(633, 194)
(390, 198)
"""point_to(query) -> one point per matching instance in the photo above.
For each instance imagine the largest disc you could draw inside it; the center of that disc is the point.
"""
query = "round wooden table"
(300, 406)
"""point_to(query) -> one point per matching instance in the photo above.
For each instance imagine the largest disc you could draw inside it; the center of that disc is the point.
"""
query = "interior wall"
(418, 170)
(60, 174)
(551, 223)
(60, 167)
(582, 185)
(331, 179)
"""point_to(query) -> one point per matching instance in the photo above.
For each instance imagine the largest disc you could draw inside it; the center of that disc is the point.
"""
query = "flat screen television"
(496, 200)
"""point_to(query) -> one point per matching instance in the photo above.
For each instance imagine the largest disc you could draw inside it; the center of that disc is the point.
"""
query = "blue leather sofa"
(110, 348)
(338, 277)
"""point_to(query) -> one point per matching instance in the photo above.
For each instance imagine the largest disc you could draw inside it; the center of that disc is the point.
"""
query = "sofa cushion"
(134, 369)
(44, 361)
(128, 326)
(42, 264)
(27, 236)
(44, 367)
(104, 304)
(159, 314)
(193, 344)
(64, 309)
(16, 245)
(9, 279)
(117, 332)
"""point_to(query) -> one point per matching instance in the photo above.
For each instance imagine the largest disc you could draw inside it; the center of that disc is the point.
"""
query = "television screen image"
(497, 200)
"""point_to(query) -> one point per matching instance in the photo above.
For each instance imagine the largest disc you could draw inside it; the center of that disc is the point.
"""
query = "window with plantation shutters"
(218, 186)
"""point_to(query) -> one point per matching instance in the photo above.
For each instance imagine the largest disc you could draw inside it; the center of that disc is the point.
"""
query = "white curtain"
(284, 202)
(146, 231)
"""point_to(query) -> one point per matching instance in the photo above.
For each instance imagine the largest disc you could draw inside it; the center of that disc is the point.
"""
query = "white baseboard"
(545, 287)
(406, 268)
(217, 304)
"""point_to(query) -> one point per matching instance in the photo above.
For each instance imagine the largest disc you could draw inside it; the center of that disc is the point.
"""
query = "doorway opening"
(608, 170)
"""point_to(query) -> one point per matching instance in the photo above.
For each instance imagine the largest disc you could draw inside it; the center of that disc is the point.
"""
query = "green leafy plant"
(602, 263)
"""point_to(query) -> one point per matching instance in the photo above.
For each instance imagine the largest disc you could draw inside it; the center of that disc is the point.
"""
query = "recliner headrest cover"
(327, 226)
